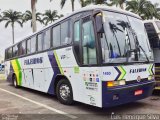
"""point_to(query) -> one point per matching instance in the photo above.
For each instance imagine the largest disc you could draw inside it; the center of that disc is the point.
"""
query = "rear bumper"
(122, 95)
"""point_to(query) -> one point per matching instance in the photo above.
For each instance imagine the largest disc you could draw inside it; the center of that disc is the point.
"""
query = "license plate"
(138, 92)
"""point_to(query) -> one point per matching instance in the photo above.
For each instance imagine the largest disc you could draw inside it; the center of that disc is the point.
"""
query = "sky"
(23, 5)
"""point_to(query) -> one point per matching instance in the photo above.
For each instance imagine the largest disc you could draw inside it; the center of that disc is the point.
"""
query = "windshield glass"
(142, 39)
(158, 24)
(118, 43)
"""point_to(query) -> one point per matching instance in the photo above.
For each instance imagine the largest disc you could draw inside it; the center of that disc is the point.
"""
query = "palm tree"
(33, 7)
(27, 16)
(50, 16)
(87, 2)
(117, 3)
(59, 16)
(64, 1)
(12, 17)
(157, 11)
(143, 8)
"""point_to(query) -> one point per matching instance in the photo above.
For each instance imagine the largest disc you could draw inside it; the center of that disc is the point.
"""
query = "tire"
(14, 79)
(64, 92)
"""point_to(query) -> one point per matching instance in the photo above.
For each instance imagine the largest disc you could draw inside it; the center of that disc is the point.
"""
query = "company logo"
(138, 79)
(138, 70)
(33, 61)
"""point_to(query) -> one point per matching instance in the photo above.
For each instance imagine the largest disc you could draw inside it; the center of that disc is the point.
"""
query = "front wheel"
(14, 79)
(64, 92)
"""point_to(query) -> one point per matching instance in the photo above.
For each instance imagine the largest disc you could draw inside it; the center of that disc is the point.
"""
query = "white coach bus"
(97, 55)
(153, 31)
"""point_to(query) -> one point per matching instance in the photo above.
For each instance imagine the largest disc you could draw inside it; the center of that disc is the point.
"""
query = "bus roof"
(84, 9)
(147, 21)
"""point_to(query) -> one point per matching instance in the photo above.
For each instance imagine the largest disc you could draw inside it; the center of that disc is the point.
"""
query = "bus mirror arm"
(99, 23)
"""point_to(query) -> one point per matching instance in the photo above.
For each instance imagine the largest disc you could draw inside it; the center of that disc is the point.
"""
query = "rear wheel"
(15, 81)
(64, 92)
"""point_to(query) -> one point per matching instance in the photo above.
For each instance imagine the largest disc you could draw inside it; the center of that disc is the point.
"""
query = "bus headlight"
(116, 83)
(151, 77)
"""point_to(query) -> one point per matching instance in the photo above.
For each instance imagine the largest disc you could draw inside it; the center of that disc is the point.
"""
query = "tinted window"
(152, 35)
(9, 53)
(28, 46)
(15, 51)
(40, 42)
(77, 31)
(77, 39)
(65, 33)
(88, 42)
(22, 48)
(33, 44)
(56, 36)
(46, 42)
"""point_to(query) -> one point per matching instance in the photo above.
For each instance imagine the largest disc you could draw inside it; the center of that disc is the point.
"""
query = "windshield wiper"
(138, 46)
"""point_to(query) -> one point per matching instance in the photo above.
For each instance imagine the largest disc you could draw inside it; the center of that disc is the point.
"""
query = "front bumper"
(125, 94)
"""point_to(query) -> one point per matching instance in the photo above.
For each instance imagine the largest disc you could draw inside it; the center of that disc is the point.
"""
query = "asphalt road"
(26, 104)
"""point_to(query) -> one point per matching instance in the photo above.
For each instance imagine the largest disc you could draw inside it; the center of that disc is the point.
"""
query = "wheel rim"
(15, 83)
(64, 91)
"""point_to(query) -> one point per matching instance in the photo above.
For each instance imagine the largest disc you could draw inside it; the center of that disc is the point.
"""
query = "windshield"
(158, 24)
(118, 43)
(142, 39)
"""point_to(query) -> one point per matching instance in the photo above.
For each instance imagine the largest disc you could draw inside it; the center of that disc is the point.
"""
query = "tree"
(143, 8)
(157, 11)
(64, 1)
(12, 17)
(50, 16)
(59, 16)
(33, 7)
(117, 3)
(87, 2)
(27, 16)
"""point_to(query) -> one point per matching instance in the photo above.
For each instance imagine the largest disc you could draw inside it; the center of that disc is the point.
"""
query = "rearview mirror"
(99, 23)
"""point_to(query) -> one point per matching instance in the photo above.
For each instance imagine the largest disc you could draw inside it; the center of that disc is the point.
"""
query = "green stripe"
(20, 72)
(124, 72)
(150, 71)
(58, 62)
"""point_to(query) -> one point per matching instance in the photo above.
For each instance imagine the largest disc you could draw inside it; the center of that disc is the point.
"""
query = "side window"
(65, 33)
(9, 53)
(40, 42)
(29, 46)
(22, 48)
(88, 42)
(77, 31)
(46, 42)
(77, 38)
(152, 35)
(56, 36)
(15, 51)
(33, 44)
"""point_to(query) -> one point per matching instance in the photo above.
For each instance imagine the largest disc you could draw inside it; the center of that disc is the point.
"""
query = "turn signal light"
(110, 83)
(116, 83)
(151, 77)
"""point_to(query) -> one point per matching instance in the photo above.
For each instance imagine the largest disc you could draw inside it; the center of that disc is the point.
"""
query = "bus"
(1, 68)
(153, 31)
(97, 55)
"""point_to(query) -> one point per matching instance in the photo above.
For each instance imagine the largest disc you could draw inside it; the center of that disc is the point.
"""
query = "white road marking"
(40, 104)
